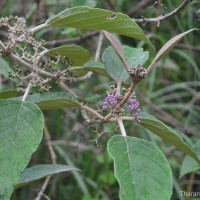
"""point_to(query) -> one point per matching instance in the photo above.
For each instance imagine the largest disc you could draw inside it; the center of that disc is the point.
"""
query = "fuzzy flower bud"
(134, 108)
(110, 101)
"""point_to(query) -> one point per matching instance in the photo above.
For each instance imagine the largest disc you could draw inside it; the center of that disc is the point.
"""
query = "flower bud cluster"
(111, 100)
(137, 73)
(134, 108)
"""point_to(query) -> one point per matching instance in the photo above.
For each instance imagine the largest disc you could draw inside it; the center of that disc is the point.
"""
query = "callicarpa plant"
(46, 79)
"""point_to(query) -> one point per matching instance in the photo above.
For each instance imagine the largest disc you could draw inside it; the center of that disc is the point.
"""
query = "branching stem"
(166, 16)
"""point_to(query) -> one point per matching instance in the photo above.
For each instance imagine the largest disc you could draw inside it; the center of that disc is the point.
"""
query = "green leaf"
(168, 46)
(21, 130)
(70, 32)
(189, 164)
(4, 68)
(166, 133)
(89, 3)
(141, 169)
(93, 66)
(96, 67)
(53, 100)
(98, 19)
(74, 53)
(32, 174)
(114, 66)
(6, 94)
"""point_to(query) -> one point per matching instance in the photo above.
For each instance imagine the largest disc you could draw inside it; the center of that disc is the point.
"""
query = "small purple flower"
(110, 100)
(134, 108)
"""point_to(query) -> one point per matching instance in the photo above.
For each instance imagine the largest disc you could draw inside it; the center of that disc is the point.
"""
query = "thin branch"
(119, 120)
(166, 16)
(48, 74)
(124, 118)
(73, 40)
(118, 87)
(67, 89)
(53, 158)
(49, 144)
(2, 46)
(190, 185)
(78, 145)
(75, 68)
(88, 109)
(114, 119)
(81, 78)
(127, 95)
(121, 126)
(39, 27)
(41, 193)
(31, 67)
(94, 112)
(27, 91)
(43, 53)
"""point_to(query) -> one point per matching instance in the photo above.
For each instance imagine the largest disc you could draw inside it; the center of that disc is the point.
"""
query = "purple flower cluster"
(134, 108)
(111, 100)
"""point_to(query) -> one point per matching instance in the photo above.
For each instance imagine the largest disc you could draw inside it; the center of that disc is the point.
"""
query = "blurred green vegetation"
(171, 93)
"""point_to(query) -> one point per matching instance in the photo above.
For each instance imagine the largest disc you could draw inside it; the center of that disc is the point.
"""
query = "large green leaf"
(53, 100)
(141, 169)
(114, 66)
(98, 19)
(6, 94)
(74, 53)
(21, 130)
(32, 174)
(189, 164)
(166, 133)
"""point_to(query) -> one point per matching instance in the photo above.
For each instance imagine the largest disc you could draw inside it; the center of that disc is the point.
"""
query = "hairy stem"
(27, 91)
(39, 27)
(121, 126)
